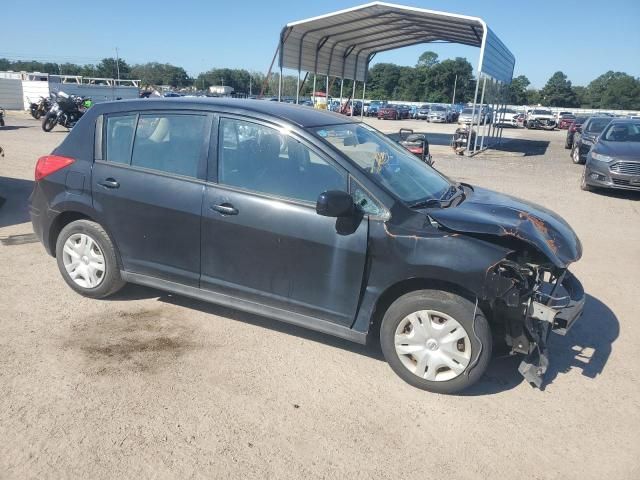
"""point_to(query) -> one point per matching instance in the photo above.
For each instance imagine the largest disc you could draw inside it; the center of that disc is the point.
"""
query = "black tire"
(576, 158)
(457, 307)
(48, 122)
(583, 182)
(37, 114)
(1, 122)
(111, 281)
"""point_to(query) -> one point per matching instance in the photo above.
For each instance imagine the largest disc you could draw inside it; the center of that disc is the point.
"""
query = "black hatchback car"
(311, 218)
(586, 136)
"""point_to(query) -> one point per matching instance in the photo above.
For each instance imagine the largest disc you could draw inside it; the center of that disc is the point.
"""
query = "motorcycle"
(417, 144)
(40, 108)
(461, 138)
(66, 111)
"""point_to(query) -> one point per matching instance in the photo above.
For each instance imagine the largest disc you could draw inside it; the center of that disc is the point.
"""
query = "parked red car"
(566, 121)
(388, 113)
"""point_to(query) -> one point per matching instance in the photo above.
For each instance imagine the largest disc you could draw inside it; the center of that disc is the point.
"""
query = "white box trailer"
(19, 89)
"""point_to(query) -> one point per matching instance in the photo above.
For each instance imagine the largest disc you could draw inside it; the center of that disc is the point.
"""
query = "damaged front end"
(533, 300)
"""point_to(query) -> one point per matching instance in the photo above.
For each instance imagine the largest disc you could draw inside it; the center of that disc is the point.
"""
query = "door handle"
(109, 183)
(225, 209)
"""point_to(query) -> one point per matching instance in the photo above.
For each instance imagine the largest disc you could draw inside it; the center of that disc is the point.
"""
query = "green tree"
(518, 90)
(107, 68)
(154, 73)
(440, 79)
(427, 59)
(532, 97)
(615, 90)
(558, 92)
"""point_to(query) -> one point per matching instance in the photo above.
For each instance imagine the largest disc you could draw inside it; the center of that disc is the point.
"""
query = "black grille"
(626, 168)
(625, 183)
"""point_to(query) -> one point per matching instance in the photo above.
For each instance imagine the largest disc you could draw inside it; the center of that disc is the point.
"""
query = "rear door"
(148, 185)
(262, 239)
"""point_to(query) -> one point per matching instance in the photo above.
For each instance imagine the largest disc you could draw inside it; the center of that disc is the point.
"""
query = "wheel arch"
(65, 218)
(398, 289)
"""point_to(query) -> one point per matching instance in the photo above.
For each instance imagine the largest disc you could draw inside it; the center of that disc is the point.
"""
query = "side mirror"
(335, 203)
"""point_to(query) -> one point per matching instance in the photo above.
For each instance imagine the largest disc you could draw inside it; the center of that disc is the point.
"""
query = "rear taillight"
(49, 164)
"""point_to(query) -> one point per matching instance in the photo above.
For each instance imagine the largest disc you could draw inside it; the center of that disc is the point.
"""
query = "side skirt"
(305, 321)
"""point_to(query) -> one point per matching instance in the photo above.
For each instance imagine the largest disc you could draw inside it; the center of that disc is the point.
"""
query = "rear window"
(119, 136)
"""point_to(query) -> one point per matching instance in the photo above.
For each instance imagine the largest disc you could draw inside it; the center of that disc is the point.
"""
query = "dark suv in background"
(311, 218)
(586, 136)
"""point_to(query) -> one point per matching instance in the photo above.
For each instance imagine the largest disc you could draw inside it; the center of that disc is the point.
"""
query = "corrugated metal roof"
(342, 43)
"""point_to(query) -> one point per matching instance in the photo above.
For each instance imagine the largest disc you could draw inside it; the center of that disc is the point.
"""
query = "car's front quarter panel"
(398, 254)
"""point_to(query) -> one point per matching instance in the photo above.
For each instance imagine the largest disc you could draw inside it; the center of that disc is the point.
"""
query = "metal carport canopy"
(342, 43)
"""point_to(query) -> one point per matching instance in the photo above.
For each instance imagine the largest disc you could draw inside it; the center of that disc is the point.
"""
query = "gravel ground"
(154, 385)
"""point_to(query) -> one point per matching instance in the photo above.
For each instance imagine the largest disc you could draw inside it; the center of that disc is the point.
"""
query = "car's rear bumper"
(41, 217)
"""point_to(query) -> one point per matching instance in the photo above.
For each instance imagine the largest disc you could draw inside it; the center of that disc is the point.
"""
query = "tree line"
(430, 80)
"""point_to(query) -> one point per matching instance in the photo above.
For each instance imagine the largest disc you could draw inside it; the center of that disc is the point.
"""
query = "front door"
(148, 188)
(261, 237)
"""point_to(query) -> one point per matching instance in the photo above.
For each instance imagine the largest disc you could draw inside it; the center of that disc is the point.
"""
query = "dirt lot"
(154, 385)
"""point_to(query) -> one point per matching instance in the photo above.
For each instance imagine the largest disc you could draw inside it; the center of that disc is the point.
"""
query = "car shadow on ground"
(137, 292)
(522, 146)
(586, 347)
(14, 200)
(621, 194)
(14, 127)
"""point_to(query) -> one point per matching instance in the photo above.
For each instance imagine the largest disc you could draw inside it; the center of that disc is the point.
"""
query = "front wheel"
(575, 155)
(583, 181)
(436, 340)
(48, 122)
(1, 122)
(87, 260)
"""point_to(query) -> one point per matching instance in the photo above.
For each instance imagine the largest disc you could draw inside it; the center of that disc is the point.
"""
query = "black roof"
(299, 115)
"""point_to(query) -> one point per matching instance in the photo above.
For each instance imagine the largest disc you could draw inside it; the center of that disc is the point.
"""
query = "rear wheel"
(87, 260)
(436, 340)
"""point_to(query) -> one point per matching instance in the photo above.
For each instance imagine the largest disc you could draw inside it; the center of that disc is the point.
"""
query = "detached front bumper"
(554, 309)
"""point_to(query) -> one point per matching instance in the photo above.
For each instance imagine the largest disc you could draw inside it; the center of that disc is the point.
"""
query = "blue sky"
(582, 38)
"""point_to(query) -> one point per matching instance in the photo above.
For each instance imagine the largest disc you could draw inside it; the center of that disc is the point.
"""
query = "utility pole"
(117, 64)
(455, 84)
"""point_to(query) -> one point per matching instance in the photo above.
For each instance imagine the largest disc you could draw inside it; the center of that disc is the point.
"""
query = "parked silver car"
(481, 115)
(439, 113)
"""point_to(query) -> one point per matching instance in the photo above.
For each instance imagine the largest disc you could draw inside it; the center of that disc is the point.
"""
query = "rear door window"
(171, 143)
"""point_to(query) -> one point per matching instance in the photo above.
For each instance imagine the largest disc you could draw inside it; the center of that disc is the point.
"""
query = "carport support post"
(298, 89)
(326, 92)
(341, 87)
(353, 96)
(280, 86)
(313, 94)
(484, 127)
(364, 88)
(473, 112)
(475, 143)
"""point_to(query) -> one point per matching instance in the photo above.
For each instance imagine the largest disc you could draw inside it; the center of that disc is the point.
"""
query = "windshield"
(622, 132)
(596, 125)
(467, 111)
(424, 107)
(387, 163)
(542, 112)
(438, 108)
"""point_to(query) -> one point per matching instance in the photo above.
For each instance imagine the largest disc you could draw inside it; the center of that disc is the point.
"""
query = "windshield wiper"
(447, 198)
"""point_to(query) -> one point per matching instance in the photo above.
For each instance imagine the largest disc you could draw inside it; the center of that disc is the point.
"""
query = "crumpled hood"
(491, 213)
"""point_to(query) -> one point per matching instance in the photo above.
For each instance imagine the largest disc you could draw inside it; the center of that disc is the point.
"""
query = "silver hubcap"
(83, 260)
(576, 155)
(432, 345)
